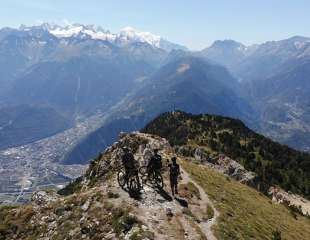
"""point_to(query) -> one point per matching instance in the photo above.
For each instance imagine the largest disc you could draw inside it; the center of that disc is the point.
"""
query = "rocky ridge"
(96, 207)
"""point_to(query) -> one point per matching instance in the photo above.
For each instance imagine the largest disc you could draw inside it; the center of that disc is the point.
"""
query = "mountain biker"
(174, 172)
(147, 154)
(129, 164)
(155, 163)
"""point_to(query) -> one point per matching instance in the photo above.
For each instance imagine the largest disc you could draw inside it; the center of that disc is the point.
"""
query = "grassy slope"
(244, 212)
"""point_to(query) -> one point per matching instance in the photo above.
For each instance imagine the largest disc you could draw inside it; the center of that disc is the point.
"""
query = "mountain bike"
(129, 182)
(154, 177)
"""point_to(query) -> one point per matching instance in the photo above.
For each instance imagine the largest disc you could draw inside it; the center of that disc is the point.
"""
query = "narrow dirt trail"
(152, 209)
(204, 201)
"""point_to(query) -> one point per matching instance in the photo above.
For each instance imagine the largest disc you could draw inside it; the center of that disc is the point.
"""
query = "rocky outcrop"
(201, 155)
(233, 169)
(140, 144)
(280, 196)
(43, 198)
(219, 162)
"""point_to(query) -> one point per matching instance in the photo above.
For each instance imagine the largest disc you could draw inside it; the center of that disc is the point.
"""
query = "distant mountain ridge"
(257, 60)
(274, 79)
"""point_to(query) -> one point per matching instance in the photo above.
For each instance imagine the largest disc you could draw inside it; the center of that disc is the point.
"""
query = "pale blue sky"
(194, 23)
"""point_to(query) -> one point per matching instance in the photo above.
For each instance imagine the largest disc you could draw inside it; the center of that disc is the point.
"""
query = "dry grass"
(209, 212)
(189, 190)
(15, 221)
(198, 230)
(244, 212)
(178, 231)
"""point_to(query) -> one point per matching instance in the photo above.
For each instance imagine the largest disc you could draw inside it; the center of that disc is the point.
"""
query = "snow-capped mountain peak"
(128, 29)
(132, 35)
(124, 37)
(66, 31)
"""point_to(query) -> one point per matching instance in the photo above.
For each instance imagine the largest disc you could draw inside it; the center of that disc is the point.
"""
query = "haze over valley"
(68, 91)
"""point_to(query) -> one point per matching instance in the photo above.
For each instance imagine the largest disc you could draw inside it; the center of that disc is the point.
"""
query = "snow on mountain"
(66, 32)
(125, 36)
(131, 35)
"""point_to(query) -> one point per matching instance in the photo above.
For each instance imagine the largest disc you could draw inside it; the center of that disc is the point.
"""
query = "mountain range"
(267, 102)
(125, 36)
(254, 62)
(273, 77)
(88, 85)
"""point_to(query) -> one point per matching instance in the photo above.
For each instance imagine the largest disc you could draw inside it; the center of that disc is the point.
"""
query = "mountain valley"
(84, 85)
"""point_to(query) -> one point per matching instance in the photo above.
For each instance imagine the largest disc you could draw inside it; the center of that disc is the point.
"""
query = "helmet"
(125, 149)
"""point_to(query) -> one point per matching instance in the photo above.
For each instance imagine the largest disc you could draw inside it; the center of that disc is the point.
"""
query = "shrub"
(122, 221)
(71, 188)
(209, 212)
(276, 235)
(112, 195)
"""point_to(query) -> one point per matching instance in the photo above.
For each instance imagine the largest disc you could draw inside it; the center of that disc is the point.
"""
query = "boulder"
(43, 198)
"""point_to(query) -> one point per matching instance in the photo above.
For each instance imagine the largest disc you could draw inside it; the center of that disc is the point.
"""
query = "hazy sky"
(194, 23)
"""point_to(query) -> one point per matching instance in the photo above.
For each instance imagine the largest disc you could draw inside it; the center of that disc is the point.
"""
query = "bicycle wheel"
(158, 180)
(144, 174)
(134, 185)
(143, 170)
(121, 178)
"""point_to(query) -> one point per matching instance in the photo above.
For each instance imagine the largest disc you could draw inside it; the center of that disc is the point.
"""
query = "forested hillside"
(274, 163)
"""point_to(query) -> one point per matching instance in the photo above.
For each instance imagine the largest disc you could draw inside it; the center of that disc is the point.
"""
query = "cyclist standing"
(129, 164)
(155, 163)
(147, 154)
(174, 173)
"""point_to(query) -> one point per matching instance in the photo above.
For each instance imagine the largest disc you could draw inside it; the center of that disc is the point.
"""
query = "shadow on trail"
(182, 202)
(134, 193)
(164, 194)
